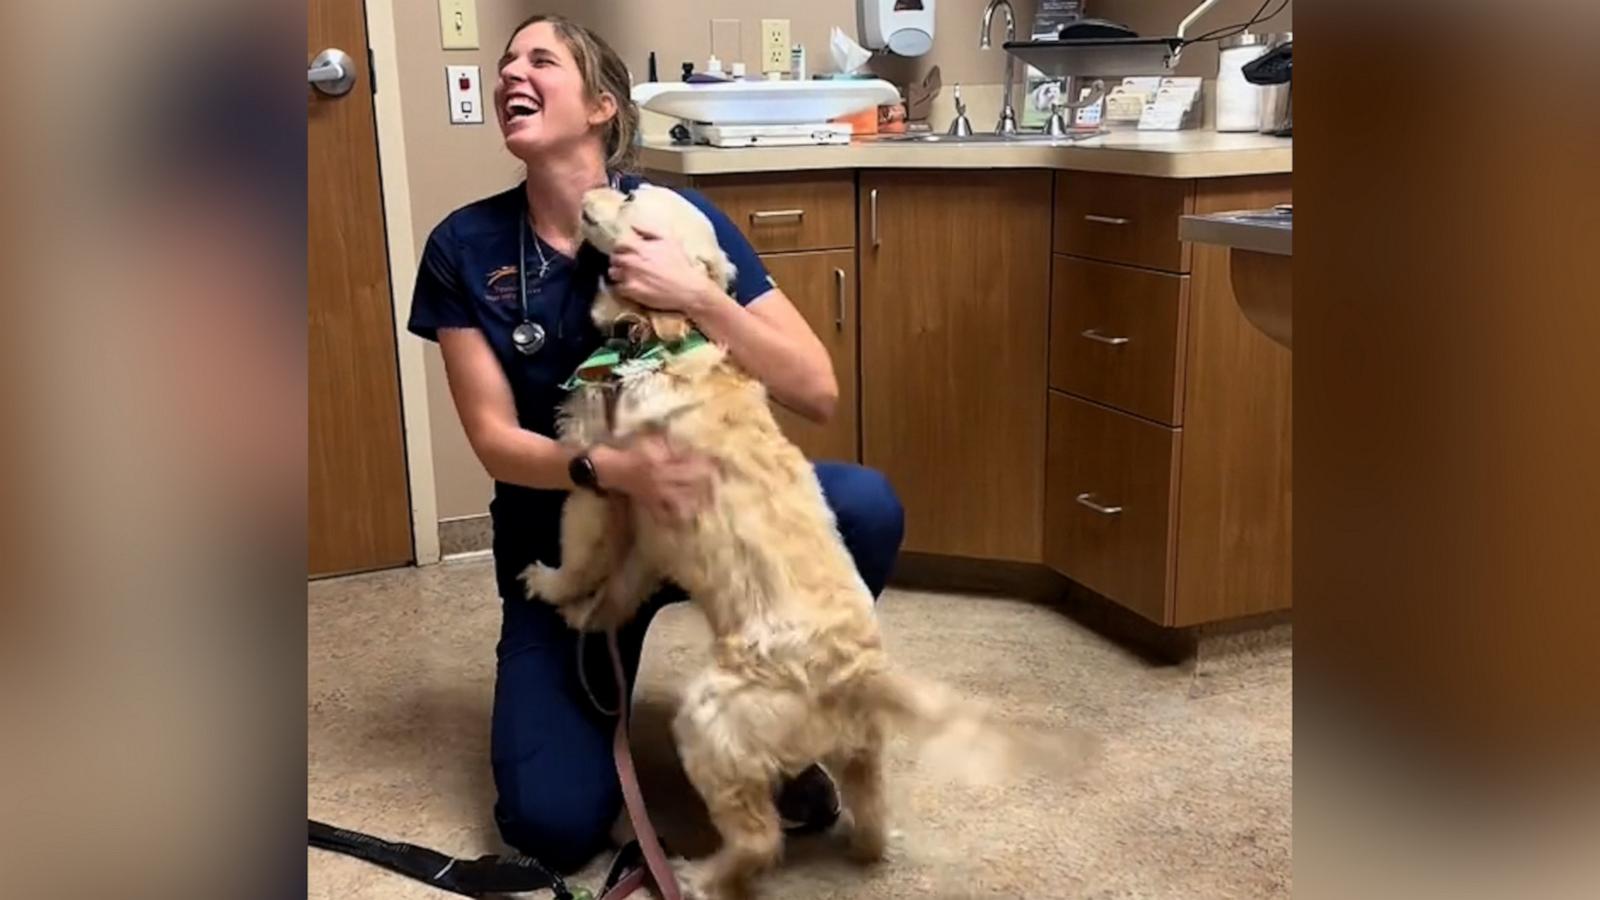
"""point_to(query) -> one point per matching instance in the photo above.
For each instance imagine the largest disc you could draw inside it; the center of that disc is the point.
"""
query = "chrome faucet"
(961, 126)
(1008, 115)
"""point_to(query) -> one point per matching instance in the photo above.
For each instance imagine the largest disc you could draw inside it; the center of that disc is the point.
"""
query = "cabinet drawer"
(1110, 482)
(1117, 336)
(807, 211)
(1123, 218)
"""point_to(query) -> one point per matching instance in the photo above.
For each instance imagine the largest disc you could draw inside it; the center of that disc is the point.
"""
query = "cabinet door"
(822, 286)
(955, 271)
(1235, 501)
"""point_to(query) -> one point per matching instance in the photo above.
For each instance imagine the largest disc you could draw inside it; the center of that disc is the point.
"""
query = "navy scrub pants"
(550, 747)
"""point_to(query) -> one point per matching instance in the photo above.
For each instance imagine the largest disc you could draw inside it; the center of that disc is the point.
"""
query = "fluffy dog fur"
(797, 672)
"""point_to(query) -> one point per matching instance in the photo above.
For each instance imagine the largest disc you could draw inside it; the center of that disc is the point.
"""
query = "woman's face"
(539, 98)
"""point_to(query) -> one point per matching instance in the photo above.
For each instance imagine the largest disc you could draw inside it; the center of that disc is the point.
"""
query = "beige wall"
(1153, 17)
(454, 165)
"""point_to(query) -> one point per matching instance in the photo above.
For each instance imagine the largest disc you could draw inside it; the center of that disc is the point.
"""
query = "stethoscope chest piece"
(528, 338)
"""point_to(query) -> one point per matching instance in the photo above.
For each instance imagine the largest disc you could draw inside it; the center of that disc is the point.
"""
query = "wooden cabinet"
(1116, 336)
(1113, 482)
(1123, 218)
(1045, 372)
(804, 227)
(954, 317)
(783, 212)
(1234, 502)
(822, 285)
(1183, 428)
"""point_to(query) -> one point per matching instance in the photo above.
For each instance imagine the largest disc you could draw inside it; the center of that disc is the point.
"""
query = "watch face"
(581, 471)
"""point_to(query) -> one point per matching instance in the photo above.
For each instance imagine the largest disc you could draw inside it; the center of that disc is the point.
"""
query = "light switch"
(465, 93)
(458, 24)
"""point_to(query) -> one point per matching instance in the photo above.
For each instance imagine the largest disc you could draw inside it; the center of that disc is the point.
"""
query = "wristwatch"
(582, 472)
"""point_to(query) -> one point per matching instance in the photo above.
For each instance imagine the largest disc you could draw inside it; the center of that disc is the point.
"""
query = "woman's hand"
(655, 272)
(670, 483)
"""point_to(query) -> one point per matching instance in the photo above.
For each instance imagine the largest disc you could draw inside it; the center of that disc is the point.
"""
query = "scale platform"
(801, 135)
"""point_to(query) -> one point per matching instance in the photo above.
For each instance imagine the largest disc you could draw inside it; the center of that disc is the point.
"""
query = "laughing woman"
(505, 286)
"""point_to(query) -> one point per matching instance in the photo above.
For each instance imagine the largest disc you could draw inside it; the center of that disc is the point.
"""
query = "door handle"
(1086, 499)
(332, 72)
(873, 200)
(1094, 335)
(1106, 220)
(838, 284)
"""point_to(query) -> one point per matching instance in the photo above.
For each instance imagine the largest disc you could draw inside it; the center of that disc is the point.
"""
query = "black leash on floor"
(489, 874)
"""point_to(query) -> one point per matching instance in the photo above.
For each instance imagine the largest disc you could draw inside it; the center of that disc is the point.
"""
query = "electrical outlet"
(774, 45)
(458, 24)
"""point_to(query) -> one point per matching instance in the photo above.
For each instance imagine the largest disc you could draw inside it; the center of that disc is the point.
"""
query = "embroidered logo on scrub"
(501, 286)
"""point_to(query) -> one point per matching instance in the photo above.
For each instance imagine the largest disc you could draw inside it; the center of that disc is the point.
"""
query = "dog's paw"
(541, 582)
(870, 846)
(693, 883)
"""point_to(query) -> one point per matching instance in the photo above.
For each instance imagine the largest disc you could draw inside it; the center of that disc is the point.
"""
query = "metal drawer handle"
(1106, 220)
(762, 215)
(1095, 335)
(874, 200)
(1083, 500)
(838, 283)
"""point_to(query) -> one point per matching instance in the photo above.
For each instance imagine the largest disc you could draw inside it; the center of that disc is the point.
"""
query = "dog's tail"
(966, 738)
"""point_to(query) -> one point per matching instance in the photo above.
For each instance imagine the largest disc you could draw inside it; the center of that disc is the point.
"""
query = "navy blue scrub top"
(467, 278)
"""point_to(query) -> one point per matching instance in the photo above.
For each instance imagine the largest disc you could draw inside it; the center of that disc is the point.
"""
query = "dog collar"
(618, 360)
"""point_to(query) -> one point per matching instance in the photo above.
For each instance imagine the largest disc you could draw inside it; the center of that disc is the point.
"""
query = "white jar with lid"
(1238, 101)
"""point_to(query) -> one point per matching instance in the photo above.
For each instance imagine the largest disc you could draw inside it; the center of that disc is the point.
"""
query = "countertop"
(1160, 154)
(1261, 230)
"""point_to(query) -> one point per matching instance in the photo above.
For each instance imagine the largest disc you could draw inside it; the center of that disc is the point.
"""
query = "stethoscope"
(528, 337)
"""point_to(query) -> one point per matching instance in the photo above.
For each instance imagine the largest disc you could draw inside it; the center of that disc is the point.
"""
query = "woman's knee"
(871, 519)
(562, 819)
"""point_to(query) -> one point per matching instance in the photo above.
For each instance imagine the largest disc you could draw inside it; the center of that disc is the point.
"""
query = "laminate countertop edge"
(1201, 154)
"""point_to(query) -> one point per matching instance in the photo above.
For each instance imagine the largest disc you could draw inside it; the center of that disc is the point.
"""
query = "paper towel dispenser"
(905, 27)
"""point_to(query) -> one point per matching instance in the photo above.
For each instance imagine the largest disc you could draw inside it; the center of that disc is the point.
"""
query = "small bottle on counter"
(797, 62)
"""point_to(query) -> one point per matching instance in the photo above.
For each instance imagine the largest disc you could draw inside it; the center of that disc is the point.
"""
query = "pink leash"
(659, 870)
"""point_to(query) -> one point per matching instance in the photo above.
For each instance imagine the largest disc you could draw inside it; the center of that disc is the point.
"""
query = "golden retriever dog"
(797, 671)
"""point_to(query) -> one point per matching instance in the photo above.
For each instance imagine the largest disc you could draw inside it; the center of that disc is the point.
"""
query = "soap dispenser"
(905, 27)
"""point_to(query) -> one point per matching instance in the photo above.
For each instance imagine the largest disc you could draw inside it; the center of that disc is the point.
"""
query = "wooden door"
(359, 510)
(822, 286)
(955, 281)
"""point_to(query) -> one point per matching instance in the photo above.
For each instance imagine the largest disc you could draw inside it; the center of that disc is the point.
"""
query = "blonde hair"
(603, 73)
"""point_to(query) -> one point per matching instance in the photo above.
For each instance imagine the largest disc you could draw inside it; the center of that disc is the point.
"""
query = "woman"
(562, 101)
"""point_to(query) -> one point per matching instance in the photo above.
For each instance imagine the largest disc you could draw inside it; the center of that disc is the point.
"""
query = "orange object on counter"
(864, 122)
(892, 119)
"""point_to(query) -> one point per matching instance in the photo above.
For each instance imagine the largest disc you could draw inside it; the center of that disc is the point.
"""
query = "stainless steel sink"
(981, 138)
